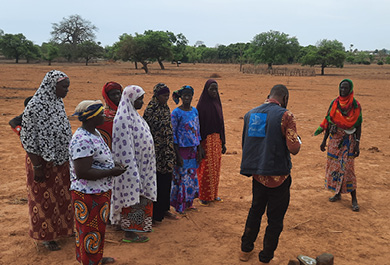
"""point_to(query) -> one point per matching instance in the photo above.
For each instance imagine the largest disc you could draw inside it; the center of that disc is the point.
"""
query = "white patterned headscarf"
(133, 146)
(45, 127)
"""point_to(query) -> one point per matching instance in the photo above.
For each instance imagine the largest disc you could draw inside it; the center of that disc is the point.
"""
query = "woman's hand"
(200, 154)
(223, 148)
(179, 160)
(39, 175)
(118, 169)
(323, 146)
(356, 150)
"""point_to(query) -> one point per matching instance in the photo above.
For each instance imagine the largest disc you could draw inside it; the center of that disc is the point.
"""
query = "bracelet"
(357, 140)
(37, 166)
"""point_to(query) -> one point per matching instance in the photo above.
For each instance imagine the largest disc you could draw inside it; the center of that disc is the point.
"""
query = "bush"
(380, 62)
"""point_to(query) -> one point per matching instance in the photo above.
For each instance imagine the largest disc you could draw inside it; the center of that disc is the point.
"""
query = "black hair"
(279, 91)
(27, 100)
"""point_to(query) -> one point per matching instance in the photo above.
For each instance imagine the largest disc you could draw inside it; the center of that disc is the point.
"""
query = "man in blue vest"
(268, 138)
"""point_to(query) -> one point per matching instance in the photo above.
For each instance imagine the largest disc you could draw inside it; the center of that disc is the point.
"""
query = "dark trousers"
(276, 200)
(164, 183)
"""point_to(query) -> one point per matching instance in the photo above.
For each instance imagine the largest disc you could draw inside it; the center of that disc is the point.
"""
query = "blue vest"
(264, 149)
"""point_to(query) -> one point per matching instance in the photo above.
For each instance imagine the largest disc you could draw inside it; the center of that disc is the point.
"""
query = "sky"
(364, 24)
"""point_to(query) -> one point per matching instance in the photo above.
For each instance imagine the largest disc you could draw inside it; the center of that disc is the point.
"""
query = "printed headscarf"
(344, 112)
(133, 146)
(178, 93)
(158, 117)
(88, 109)
(210, 113)
(46, 130)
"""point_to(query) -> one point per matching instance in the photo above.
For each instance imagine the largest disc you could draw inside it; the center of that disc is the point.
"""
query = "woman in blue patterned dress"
(186, 139)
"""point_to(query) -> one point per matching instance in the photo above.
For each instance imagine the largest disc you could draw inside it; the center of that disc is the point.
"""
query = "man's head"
(280, 93)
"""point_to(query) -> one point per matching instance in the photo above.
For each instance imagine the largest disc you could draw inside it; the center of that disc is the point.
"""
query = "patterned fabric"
(138, 218)
(176, 95)
(340, 166)
(49, 202)
(185, 186)
(85, 144)
(289, 130)
(158, 118)
(106, 128)
(186, 128)
(210, 113)
(345, 112)
(45, 127)
(132, 146)
(91, 213)
(210, 168)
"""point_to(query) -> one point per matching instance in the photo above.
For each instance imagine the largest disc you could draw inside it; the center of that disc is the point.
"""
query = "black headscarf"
(210, 113)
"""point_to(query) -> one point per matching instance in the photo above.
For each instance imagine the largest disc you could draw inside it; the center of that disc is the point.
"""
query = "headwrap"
(178, 93)
(158, 117)
(210, 113)
(133, 146)
(106, 128)
(45, 127)
(88, 109)
(110, 105)
(344, 112)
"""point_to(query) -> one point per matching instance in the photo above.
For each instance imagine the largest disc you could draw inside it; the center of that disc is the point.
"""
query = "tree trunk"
(161, 64)
(145, 67)
(17, 59)
(136, 65)
(86, 62)
(322, 69)
(269, 66)
(49, 62)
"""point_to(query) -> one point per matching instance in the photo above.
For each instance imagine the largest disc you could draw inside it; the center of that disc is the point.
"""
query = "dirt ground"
(313, 225)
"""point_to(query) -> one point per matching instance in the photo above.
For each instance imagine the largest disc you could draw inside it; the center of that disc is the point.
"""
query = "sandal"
(355, 207)
(108, 260)
(51, 245)
(171, 216)
(204, 203)
(137, 239)
(336, 197)
(193, 208)
(218, 199)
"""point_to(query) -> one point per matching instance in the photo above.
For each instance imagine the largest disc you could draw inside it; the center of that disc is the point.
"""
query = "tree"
(31, 51)
(73, 30)
(49, 52)
(125, 48)
(14, 46)
(325, 53)
(274, 47)
(179, 49)
(89, 50)
(160, 44)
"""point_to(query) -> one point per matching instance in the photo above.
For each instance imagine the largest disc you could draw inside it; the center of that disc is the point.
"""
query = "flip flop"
(171, 216)
(193, 208)
(334, 198)
(355, 207)
(108, 260)
(137, 239)
(204, 203)
(218, 199)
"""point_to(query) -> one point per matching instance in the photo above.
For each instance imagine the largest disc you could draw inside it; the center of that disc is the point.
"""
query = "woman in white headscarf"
(45, 136)
(136, 189)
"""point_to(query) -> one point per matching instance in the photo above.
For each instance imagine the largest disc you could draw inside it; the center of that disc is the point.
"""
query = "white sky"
(365, 24)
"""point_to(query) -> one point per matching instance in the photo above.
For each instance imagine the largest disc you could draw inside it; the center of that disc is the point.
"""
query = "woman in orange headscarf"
(343, 124)
(112, 93)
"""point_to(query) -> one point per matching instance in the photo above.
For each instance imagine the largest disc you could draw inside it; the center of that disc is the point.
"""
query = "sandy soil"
(212, 236)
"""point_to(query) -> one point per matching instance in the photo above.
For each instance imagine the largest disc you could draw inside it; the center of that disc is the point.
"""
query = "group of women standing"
(118, 167)
(128, 170)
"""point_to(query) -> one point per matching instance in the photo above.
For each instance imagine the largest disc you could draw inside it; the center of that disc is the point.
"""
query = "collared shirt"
(289, 130)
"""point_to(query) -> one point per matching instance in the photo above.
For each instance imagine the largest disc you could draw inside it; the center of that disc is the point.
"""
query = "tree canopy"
(16, 46)
(325, 53)
(273, 47)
